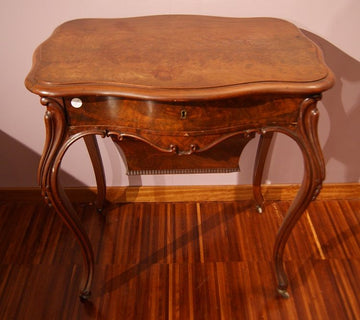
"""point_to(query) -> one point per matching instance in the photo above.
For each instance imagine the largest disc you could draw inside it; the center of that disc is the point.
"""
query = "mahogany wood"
(177, 94)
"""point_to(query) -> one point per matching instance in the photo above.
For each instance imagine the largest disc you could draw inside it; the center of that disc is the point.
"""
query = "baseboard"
(186, 193)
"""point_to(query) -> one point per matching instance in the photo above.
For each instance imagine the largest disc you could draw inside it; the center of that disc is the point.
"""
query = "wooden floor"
(208, 260)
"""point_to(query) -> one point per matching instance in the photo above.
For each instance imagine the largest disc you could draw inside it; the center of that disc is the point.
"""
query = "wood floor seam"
(175, 261)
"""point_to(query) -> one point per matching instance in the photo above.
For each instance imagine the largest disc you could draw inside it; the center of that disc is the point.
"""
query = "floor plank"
(186, 260)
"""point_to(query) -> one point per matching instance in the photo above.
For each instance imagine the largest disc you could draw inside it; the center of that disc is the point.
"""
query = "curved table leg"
(95, 156)
(56, 144)
(314, 173)
(262, 151)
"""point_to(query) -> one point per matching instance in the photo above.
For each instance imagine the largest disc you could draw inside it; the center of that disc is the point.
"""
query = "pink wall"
(332, 24)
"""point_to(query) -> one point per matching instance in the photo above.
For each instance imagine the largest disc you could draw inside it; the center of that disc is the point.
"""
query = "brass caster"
(283, 293)
(84, 296)
(259, 209)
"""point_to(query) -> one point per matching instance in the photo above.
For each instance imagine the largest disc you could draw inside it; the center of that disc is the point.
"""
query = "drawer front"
(181, 117)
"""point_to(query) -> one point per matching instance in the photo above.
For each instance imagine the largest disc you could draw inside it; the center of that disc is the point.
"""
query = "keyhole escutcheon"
(183, 114)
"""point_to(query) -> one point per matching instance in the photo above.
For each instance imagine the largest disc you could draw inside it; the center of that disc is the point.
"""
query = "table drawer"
(227, 115)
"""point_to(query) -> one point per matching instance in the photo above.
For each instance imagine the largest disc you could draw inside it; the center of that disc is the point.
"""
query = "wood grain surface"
(116, 194)
(177, 57)
(189, 260)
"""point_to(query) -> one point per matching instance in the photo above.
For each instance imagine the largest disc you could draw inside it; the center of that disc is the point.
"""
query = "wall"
(332, 24)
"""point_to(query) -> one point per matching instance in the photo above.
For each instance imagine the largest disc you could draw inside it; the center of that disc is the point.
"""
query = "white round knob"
(76, 102)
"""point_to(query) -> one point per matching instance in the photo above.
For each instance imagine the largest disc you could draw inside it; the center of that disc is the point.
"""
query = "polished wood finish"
(207, 260)
(177, 57)
(179, 94)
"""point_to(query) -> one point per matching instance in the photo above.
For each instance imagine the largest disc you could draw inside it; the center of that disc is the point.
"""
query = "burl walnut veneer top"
(177, 57)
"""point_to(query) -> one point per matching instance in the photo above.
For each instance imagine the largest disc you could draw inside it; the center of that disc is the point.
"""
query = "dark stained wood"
(262, 151)
(142, 158)
(215, 116)
(207, 260)
(95, 156)
(195, 89)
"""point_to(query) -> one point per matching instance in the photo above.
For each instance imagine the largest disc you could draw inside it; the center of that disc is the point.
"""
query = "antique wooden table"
(179, 94)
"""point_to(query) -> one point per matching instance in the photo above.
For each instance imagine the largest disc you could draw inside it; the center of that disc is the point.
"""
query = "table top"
(177, 57)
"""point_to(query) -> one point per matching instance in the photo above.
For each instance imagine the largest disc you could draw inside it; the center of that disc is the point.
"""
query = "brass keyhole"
(183, 114)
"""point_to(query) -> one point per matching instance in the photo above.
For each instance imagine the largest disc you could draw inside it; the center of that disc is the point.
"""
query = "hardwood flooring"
(186, 260)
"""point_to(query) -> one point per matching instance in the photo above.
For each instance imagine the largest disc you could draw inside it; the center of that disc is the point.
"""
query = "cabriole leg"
(314, 173)
(56, 144)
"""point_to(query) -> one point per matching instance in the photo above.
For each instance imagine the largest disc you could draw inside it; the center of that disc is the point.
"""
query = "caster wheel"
(283, 293)
(84, 296)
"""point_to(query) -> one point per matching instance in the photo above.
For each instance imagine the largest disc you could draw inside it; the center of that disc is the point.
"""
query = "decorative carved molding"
(192, 148)
(55, 124)
(309, 117)
(182, 171)
(120, 135)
